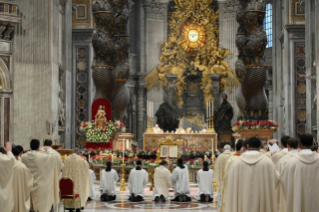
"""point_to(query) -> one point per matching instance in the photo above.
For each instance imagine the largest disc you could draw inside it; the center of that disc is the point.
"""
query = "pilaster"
(227, 39)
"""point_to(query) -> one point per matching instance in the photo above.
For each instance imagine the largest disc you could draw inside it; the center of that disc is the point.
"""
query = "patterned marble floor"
(122, 203)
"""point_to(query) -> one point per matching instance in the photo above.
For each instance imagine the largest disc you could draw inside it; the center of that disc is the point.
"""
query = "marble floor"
(122, 203)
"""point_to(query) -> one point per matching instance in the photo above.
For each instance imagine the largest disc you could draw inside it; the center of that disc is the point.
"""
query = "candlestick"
(212, 108)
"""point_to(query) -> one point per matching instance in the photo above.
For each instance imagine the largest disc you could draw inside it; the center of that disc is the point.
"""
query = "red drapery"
(108, 109)
(100, 145)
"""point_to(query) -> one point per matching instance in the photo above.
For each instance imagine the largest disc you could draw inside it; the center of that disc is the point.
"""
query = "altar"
(187, 140)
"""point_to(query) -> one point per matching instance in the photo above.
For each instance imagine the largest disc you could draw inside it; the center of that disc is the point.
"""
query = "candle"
(152, 109)
(148, 108)
(212, 108)
(123, 151)
(207, 109)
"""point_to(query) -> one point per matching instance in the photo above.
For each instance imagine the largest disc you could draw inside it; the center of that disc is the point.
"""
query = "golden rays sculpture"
(193, 42)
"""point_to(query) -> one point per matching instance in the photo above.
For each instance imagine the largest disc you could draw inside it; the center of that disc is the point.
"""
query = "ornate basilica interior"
(160, 62)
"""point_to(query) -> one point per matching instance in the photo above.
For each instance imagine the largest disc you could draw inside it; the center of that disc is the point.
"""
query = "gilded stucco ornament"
(193, 42)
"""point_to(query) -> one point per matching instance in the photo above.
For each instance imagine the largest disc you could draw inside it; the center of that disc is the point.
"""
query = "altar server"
(22, 184)
(220, 170)
(58, 168)
(278, 155)
(42, 166)
(180, 179)
(76, 168)
(137, 182)
(204, 179)
(162, 181)
(7, 162)
(299, 178)
(92, 189)
(108, 181)
(238, 152)
(251, 181)
(292, 145)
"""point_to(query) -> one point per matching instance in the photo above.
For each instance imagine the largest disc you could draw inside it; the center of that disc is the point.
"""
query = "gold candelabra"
(214, 181)
(122, 186)
(150, 123)
(210, 125)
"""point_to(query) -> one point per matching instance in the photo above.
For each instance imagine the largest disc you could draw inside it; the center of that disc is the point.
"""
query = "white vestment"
(299, 180)
(180, 179)
(162, 181)
(220, 168)
(108, 182)
(137, 182)
(92, 189)
(205, 182)
(77, 169)
(42, 166)
(6, 179)
(22, 185)
(280, 166)
(56, 177)
(277, 156)
(251, 184)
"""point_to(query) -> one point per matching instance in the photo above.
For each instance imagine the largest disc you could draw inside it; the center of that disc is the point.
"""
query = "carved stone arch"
(5, 76)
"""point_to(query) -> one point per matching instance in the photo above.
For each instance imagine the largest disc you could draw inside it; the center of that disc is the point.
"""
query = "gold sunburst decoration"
(194, 36)
(193, 42)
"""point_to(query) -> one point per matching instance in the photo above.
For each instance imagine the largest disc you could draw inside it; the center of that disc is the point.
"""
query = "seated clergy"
(180, 181)
(205, 178)
(108, 181)
(7, 163)
(76, 168)
(162, 181)
(42, 166)
(22, 184)
(137, 182)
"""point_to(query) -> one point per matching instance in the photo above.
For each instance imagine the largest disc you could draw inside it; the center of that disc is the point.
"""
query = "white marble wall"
(35, 70)
(156, 34)
(227, 39)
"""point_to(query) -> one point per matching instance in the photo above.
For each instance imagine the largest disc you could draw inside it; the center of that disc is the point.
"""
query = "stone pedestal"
(264, 135)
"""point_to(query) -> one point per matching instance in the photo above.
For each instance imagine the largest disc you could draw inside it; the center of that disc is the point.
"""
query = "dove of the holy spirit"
(193, 36)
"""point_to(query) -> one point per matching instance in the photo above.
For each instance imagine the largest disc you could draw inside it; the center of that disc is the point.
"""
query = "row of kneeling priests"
(252, 179)
(29, 181)
(163, 180)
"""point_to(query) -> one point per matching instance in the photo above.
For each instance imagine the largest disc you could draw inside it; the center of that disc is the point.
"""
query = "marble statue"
(225, 115)
(100, 119)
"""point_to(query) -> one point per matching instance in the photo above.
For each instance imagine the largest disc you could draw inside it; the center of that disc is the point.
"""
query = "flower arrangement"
(195, 152)
(101, 135)
(255, 125)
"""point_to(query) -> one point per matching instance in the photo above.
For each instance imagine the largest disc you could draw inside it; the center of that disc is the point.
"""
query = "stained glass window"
(194, 36)
(268, 24)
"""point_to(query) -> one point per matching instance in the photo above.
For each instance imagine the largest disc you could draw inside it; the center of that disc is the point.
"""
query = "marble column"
(310, 69)
(316, 46)
(141, 115)
(227, 39)
(156, 34)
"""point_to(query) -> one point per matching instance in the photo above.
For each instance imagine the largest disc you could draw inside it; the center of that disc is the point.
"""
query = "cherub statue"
(100, 119)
